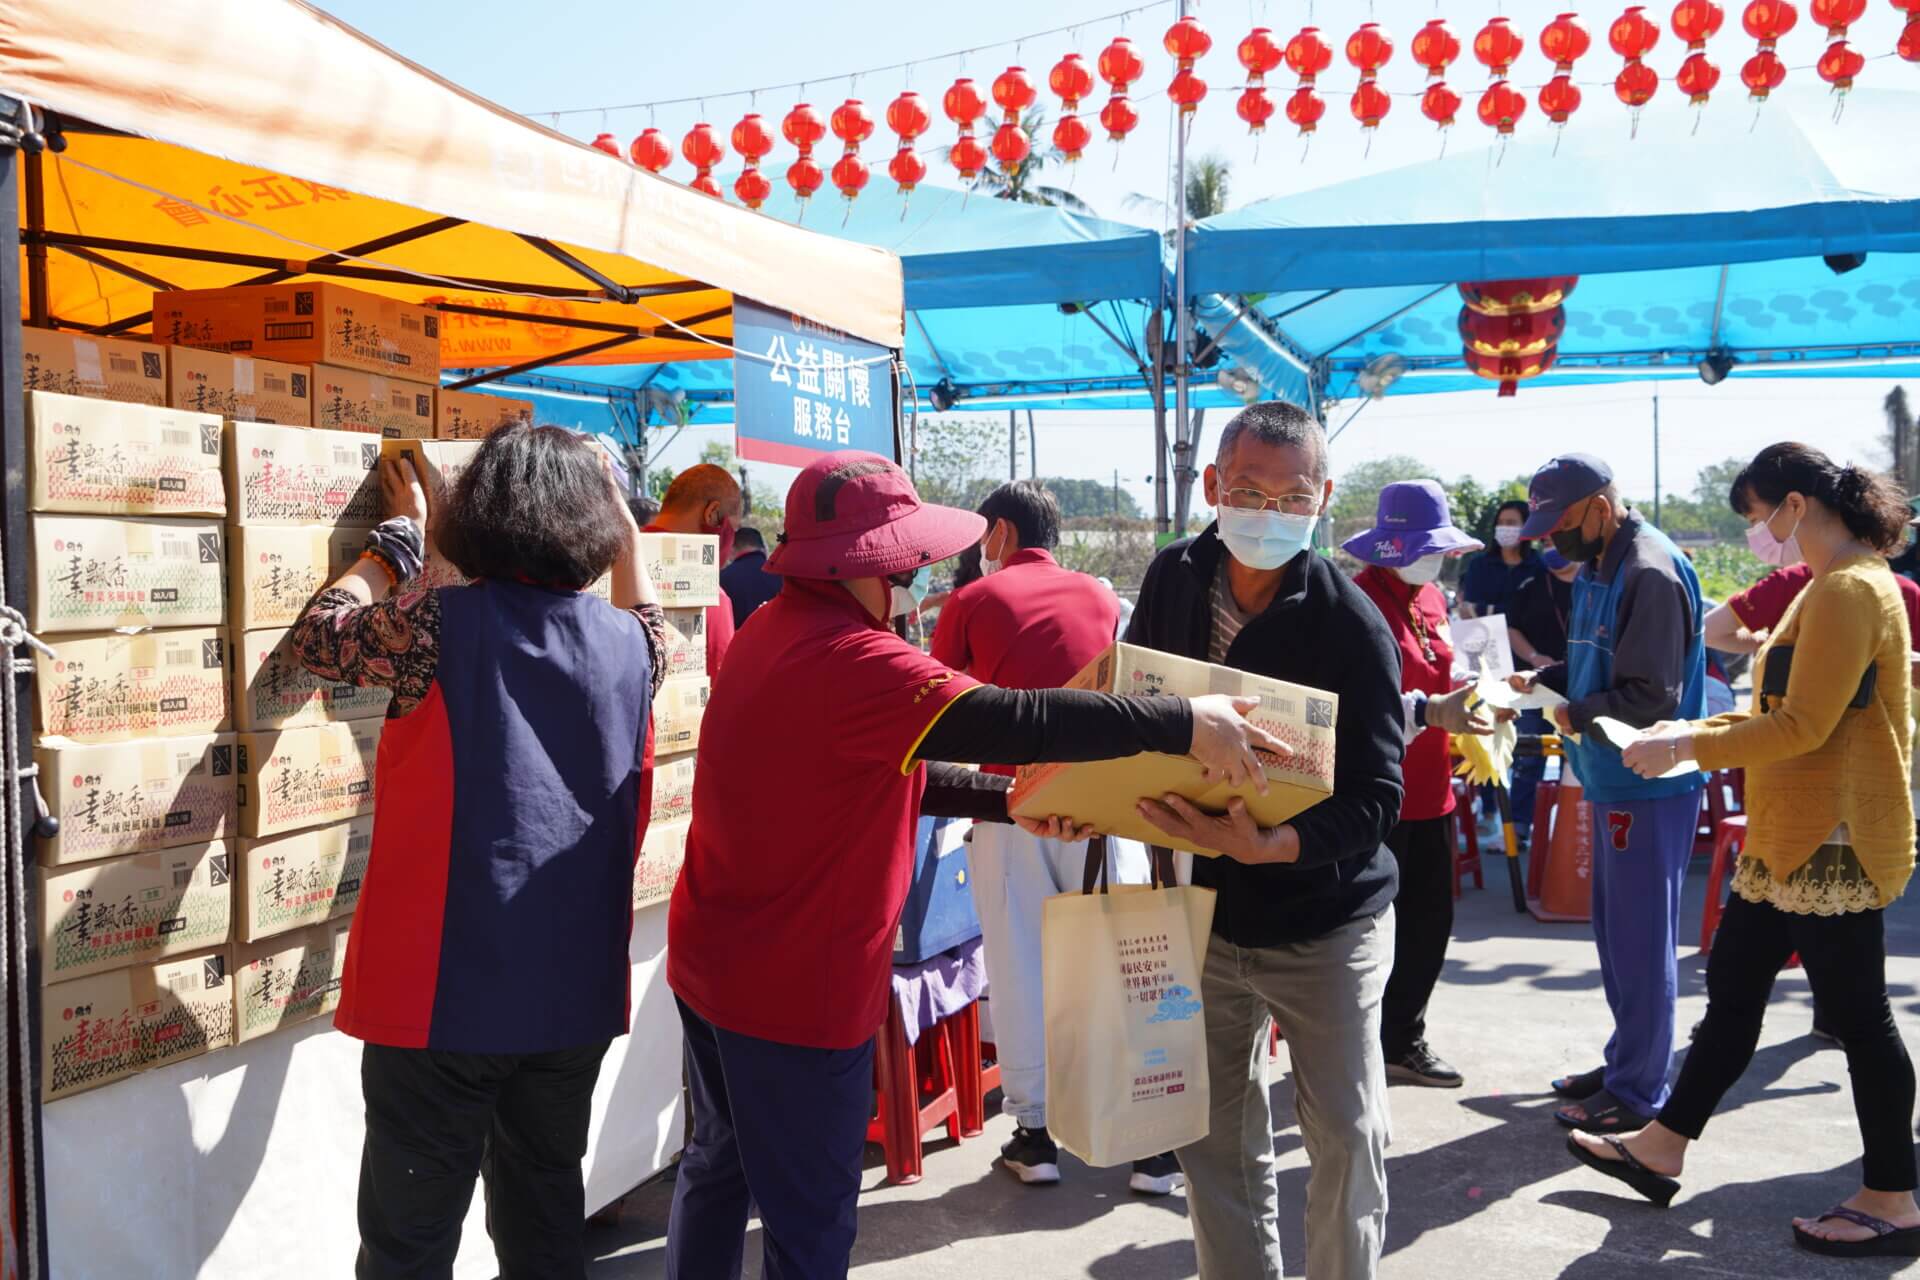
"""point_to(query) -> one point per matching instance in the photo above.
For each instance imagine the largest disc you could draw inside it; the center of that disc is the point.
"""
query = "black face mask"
(1576, 546)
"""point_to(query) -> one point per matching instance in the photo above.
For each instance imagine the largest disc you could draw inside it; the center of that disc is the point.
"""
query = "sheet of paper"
(1621, 736)
(1499, 693)
(1482, 647)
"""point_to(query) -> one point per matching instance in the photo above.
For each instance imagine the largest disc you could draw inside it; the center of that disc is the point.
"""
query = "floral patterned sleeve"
(653, 620)
(394, 644)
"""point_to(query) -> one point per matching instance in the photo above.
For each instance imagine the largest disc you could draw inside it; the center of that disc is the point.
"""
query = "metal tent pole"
(1656, 459)
(1183, 318)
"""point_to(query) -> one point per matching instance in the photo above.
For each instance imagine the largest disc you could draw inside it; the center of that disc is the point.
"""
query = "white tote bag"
(1126, 1033)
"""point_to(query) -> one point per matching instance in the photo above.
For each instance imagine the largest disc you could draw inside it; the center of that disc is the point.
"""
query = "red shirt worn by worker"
(719, 621)
(1031, 625)
(1761, 606)
(804, 810)
(1417, 616)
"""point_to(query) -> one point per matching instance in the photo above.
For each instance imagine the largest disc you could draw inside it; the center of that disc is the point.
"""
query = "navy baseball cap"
(1567, 479)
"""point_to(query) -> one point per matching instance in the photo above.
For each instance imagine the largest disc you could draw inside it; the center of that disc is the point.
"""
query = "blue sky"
(582, 54)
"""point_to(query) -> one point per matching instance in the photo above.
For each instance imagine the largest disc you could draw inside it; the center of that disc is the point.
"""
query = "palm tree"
(1017, 184)
(1209, 180)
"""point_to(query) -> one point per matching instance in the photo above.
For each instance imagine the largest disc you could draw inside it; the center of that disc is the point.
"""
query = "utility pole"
(1183, 320)
(1656, 459)
(1013, 444)
(1033, 449)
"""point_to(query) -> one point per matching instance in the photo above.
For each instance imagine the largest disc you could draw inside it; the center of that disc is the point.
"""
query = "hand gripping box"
(662, 853)
(372, 403)
(439, 464)
(307, 878)
(99, 457)
(135, 797)
(677, 711)
(273, 690)
(306, 777)
(287, 979)
(673, 788)
(111, 687)
(276, 570)
(106, 1027)
(103, 368)
(470, 415)
(99, 573)
(1105, 792)
(240, 388)
(293, 475)
(120, 911)
(305, 323)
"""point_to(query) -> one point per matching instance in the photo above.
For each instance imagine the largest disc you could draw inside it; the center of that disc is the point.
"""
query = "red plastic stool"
(1546, 796)
(1466, 839)
(1727, 842)
(900, 1071)
(976, 1077)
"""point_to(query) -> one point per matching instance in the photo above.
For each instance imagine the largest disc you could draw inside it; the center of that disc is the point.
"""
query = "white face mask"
(1772, 550)
(1507, 535)
(988, 565)
(1422, 571)
(1265, 539)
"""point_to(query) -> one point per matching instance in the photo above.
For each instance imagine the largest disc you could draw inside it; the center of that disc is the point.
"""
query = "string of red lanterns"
(1435, 47)
(908, 117)
(963, 106)
(1259, 55)
(1696, 22)
(1187, 41)
(1369, 49)
(1071, 82)
(1120, 67)
(754, 141)
(1565, 41)
(1308, 54)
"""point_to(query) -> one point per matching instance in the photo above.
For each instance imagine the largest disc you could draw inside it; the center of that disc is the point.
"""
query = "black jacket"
(1323, 632)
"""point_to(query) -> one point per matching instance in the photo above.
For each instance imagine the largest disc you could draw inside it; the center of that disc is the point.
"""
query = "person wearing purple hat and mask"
(780, 932)
(1635, 655)
(1410, 542)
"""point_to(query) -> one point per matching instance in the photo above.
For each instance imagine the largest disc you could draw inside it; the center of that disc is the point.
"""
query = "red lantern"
(967, 156)
(907, 116)
(1529, 334)
(1255, 107)
(850, 174)
(1636, 84)
(805, 177)
(1763, 74)
(1517, 297)
(1909, 46)
(1014, 92)
(752, 139)
(1187, 41)
(1186, 91)
(1435, 47)
(1070, 81)
(1011, 146)
(752, 187)
(1909, 7)
(964, 106)
(1565, 41)
(607, 143)
(1633, 34)
(1119, 65)
(1510, 371)
(1559, 98)
(853, 126)
(1305, 109)
(803, 127)
(1837, 15)
(1840, 64)
(1260, 55)
(1119, 118)
(1370, 104)
(1370, 48)
(1768, 20)
(1501, 107)
(1498, 46)
(907, 169)
(1697, 21)
(1440, 104)
(1696, 78)
(1071, 136)
(703, 150)
(650, 151)
(1308, 54)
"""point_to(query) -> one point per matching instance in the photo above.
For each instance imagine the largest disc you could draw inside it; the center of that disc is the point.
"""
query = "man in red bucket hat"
(781, 930)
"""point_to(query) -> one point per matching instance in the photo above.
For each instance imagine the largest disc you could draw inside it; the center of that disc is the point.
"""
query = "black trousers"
(1846, 961)
(436, 1120)
(1422, 927)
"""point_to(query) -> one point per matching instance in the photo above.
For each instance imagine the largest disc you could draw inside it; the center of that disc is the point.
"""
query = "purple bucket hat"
(1412, 522)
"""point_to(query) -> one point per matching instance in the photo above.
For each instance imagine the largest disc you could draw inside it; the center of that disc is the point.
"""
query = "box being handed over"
(112, 687)
(120, 911)
(295, 475)
(678, 710)
(99, 573)
(306, 777)
(109, 1026)
(1105, 792)
(98, 457)
(134, 797)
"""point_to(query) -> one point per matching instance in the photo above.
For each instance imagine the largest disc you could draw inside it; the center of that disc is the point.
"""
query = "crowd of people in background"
(1331, 929)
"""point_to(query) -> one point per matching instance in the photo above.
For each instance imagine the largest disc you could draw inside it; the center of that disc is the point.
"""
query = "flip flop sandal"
(1888, 1241)
(1605, 1114)
(1581, 1087)
(1656, 1187)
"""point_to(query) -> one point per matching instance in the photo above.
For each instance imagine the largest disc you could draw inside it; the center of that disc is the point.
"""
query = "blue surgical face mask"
(1265, 539)
(907, 599)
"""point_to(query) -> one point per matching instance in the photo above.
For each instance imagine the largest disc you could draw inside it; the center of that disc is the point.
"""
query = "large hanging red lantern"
(850, 174)
(1517, 297)
(1435, 47)
(1259, 54)
(1013, 92)
(1768, 20)
(1501, 107)
(1909, 46)
(1837, 15)
(1840, 64)
(754, 141)
(1071, 82)
(752, 187)
(1565, 41)
(608, 143)
(1559, 98)
(1636, 84)
(803, 127)
(1188, 42)
(853, 126)
(1308, 54)
(908, 117)
(1369, 49)
(1510, 371)
(651, 151)
(703, 149)
(1697, 21)
(1305, 109)
(1520, 335)
(1510, 329)
(1498, 46)
(1120, 67)
(964, 105)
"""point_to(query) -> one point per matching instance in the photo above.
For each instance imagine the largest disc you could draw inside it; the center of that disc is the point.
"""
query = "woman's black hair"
(534, 505)
(1513, 504)
(1869, 504)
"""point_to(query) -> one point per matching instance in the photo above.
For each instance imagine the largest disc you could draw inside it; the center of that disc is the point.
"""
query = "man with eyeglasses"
(1302, 927)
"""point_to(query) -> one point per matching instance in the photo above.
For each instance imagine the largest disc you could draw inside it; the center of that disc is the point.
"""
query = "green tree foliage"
(1726, 568)
(1089, 499)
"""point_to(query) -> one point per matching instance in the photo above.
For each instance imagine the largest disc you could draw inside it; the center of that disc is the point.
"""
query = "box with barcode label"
(120, 911)
(240, 388)
(673, 788)
(439, 465)
(99, 573)
(103, 368)
(373, 403)
(287, 979)
(103, 1028)
(305, 878)
(101, 457)
(471, 415)
(291, 475)
(112, 687)
(663, 851)
(677, 711)
(135, 797)
(273, 690)
(306, 777)
(277, 570)
(686, 642)
(1105, 792)
(305, 323)
(685, 568)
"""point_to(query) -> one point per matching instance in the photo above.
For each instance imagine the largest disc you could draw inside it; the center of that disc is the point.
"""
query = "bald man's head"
(701, 499)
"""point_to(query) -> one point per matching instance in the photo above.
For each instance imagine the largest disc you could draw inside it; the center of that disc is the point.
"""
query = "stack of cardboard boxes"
(686, 576)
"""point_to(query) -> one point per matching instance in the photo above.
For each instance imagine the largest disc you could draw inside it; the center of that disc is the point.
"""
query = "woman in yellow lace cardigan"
(1830, 839)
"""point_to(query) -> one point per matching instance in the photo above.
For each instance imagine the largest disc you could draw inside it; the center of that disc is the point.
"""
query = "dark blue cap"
(1567, 479)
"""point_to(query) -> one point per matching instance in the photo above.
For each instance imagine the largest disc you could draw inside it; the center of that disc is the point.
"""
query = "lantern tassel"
(1367, 154)
(1559, 132)
(1699, 114)
(848, 215)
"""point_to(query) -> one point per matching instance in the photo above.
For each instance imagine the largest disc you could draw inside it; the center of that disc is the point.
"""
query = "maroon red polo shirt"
(804, 811)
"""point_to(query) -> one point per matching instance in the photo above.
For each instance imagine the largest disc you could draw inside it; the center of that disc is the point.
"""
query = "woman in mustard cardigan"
(1830, 839)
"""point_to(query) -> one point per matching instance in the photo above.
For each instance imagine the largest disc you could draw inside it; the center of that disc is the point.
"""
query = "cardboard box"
(240, 388)
(685, 568)
(272, 690)
(303, 879)
(287, 979)
(677, 711)
(112, 687)
(306, 323)
(673, 788)
(439, 464)
(104, 368)
(101, 457)
(662, 853)
(686, 642)
(306, 777)
(120, 911)
(372, 403)
(109, 1026)
(277, 570)
(1105, 792)
(136, 797)
(101, 573)
(468, 415)
(287, 475)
